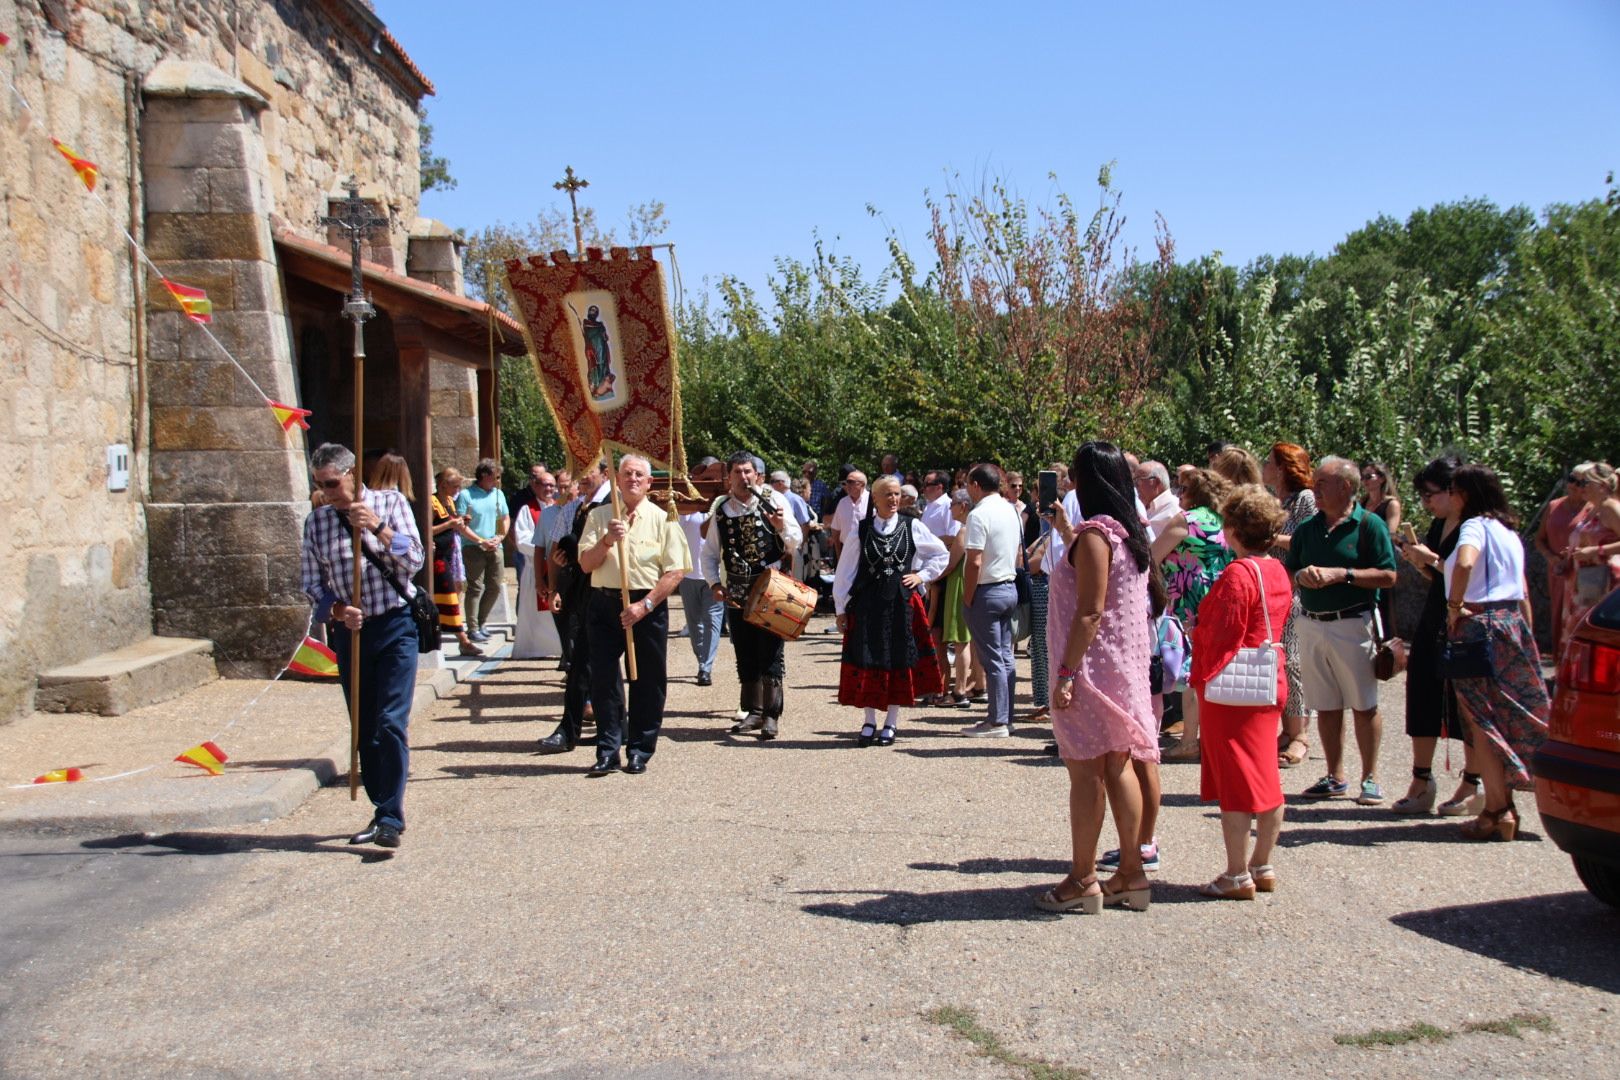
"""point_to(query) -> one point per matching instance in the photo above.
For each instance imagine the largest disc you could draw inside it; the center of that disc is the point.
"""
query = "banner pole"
(624, 573)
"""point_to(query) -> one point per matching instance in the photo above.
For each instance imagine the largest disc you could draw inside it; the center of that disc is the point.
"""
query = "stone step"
(115, 682)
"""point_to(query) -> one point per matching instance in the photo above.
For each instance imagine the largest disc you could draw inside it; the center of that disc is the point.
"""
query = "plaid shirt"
(327, 559)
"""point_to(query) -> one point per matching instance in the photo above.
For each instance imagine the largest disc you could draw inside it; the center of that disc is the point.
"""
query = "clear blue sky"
(1253, 128)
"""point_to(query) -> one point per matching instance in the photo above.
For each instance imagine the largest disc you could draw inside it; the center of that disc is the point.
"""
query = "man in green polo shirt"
(1340, 559)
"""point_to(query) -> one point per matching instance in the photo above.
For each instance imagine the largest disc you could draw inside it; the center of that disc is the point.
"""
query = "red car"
(1578, 768)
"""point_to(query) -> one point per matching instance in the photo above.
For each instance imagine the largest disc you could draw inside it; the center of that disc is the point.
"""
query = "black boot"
(753, 700)
(772, 705)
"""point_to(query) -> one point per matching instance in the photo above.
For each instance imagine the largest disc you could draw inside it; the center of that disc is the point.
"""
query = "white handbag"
(1249, 678)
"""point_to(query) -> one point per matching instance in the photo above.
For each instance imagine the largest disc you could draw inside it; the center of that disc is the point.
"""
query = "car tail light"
(1590, 666)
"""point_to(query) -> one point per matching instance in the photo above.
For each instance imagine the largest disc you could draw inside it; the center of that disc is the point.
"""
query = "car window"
(1607, 612)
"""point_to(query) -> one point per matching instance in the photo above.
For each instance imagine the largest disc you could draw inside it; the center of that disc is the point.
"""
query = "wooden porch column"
(489, 424)
(415, 427)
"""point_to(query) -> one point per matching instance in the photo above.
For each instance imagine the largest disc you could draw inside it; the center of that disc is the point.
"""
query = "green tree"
(434, 170)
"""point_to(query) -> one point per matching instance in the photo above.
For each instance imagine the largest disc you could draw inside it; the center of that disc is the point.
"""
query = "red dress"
(1239, 743)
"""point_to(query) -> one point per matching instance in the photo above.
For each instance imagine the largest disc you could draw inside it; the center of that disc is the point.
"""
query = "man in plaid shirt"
(387, 653)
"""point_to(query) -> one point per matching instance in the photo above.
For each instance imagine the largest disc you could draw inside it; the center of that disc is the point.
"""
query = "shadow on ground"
(1569, 936)
(214, 843)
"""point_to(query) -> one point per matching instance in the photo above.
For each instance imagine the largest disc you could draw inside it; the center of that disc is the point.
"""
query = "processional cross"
(573, 184)
(356, 218)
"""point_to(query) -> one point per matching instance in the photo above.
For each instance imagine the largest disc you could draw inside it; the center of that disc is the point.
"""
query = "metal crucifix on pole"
(573, 185)
(354, 216)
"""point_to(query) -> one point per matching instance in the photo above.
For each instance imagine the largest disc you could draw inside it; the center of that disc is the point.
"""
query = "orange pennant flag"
(58, 776)
(288, 415)
(195, 302)
(205, 756)
(313, 658)
(87, 170)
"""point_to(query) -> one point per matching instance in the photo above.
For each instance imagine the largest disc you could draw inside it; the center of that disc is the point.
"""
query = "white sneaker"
(985, 729)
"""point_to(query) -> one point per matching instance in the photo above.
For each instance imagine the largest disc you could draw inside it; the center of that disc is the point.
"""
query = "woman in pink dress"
(1594, 544)
(1098, 633)
(1552, 540)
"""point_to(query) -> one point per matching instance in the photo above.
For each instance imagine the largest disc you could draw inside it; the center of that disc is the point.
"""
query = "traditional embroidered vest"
(748, 545)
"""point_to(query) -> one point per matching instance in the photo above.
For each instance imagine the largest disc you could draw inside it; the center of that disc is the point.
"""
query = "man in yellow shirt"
(658, 558)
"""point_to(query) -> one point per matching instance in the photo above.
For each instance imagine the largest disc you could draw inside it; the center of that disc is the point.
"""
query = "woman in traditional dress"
(1193, 552)
(1487, 601)
(1245, 608)
(883, 573)
(1098, 631)
(1287, 472)
(448, 572)
(1594, 544)
(535, 636)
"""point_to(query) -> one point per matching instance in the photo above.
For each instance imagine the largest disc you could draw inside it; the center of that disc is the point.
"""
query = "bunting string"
(192, 301)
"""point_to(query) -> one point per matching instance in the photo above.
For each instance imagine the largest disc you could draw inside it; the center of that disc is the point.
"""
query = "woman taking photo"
(1192, 550)
(1102, 708)
(1431, 706)
(1487, 609)
(888, 658)
(1247, 606)
(1287, 472)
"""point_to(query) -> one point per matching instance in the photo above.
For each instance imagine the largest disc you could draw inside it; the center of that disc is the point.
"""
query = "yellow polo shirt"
(655, 544)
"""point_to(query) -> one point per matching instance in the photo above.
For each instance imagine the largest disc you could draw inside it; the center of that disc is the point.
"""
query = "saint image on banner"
(596, 317)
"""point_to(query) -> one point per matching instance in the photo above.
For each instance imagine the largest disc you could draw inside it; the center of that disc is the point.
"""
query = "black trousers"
(605, 639)
(760, 653)
(577, 682)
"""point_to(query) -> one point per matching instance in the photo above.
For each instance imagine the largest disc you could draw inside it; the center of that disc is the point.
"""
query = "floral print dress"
(1196, 562)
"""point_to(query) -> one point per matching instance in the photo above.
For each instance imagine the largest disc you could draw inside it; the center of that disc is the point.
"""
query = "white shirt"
(849, 514)
(936, 515)
(692, 526)
(994, 528)
(1056, 547)
(791, 536)
(1160, 514)
(928, 562)
(1499, 572)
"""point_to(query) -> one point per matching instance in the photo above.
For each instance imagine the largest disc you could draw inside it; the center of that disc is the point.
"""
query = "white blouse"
(1499, 573)
(927, 562)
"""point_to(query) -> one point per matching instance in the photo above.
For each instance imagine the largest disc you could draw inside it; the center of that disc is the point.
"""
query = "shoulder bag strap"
(386, 573)
(1265, 612)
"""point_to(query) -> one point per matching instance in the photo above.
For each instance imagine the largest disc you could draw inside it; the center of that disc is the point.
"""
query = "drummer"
(750, 532)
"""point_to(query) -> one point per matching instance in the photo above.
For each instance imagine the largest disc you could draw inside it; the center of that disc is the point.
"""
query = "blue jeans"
(387, 684)
(703, 617)
(990, 621)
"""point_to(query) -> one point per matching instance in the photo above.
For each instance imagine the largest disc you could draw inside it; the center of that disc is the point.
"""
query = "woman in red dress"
(1240, 769)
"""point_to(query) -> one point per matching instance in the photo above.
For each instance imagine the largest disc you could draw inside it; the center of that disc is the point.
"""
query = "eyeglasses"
(932, 483)
(854, 483)
(330, 485)
(1428, 493)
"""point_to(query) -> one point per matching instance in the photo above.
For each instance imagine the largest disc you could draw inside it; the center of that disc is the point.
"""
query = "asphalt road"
(798, 908)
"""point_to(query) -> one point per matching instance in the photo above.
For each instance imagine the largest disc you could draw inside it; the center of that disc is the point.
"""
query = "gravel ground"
(796, 908)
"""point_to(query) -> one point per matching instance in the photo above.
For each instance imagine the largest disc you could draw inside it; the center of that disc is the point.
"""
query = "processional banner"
(603, 343)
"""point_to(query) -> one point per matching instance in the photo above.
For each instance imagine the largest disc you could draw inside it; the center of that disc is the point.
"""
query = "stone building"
(222, 133)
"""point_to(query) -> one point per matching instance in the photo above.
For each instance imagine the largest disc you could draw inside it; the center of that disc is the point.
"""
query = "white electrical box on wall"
(118, 467)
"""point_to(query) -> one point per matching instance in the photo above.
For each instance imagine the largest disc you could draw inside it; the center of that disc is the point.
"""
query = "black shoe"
(865, 737)
(558, 742)
(705, 679)
(478, 636)
(387, 836)
(366, 835)
(604, 765)
(1050, 749)
(635, 766)
(886, 737)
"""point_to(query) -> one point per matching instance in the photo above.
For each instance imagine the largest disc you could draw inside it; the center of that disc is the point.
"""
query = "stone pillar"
(229, 489)
(433, 255)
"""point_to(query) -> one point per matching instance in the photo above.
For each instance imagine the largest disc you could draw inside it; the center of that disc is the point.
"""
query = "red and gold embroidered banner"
(603, 344)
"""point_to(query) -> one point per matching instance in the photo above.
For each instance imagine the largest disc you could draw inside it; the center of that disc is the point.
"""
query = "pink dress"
(1112, 709)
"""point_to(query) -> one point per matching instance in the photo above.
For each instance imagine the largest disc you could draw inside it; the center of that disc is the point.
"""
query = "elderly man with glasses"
(388, 649)
(1340, 559)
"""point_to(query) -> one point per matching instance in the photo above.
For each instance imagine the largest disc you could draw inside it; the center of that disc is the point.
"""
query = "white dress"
(536, 635)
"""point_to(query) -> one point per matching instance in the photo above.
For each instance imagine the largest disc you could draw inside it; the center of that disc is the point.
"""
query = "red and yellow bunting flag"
(58, 776)
(205, 756)
(4, 41)
(288, 415)
(195, 302)
(313, 658)
(87, 170)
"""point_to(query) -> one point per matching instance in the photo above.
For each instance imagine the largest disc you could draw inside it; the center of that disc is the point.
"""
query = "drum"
(780, 605)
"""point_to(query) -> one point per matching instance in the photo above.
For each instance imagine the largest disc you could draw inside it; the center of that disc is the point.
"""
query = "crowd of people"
(1203, 619)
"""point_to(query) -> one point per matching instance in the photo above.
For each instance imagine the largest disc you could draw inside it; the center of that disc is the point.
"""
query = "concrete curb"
(239, 797)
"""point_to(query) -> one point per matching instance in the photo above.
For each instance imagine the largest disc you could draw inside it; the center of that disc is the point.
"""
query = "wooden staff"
(359, 563)
(624, 572)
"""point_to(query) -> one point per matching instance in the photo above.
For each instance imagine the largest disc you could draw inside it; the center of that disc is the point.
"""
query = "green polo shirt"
(1359, 542)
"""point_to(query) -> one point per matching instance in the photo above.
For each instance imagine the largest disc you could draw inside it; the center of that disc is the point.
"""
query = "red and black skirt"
(888, 654)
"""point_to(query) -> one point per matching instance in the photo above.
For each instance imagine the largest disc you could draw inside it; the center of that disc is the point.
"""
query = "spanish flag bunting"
(313, 658)
(205, 756)
(87, 170)
(4, 41)
(288, 415)
(58, 776)
(195, 302)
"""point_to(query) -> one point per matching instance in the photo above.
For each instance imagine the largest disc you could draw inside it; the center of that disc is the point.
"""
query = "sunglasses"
(330, 485)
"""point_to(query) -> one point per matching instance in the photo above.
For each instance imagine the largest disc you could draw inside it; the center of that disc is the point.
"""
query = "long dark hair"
(1102, 482)
(1482, 495)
